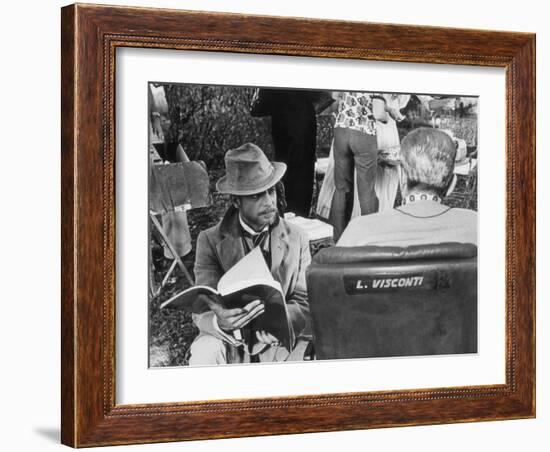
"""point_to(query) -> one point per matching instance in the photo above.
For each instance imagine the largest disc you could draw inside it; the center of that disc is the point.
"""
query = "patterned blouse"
(355, 112)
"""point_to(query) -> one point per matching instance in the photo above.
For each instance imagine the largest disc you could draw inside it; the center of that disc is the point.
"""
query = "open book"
(248, 280)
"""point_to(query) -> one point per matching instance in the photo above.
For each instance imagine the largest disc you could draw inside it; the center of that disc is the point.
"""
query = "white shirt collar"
(249, 229)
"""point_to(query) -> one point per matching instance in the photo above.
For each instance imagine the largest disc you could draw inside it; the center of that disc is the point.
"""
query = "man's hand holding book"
(233, 319)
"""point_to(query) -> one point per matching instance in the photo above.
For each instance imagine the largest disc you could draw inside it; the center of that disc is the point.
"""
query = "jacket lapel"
(230, 248)
(279, 250)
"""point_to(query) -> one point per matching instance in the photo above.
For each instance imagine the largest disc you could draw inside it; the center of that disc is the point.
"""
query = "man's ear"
(236, 202)
(451, 186)
(402, 180)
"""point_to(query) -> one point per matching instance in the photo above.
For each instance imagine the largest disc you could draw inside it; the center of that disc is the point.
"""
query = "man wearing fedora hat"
(252, 220)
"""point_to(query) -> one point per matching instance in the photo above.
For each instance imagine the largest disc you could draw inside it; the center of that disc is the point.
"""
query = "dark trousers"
(294, 132)
(353, 150)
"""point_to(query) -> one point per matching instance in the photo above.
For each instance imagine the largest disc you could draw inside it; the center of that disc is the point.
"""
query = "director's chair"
(174, 188)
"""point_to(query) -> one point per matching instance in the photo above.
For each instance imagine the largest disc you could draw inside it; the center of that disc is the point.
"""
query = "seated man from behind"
(427, 164)
(251, 221)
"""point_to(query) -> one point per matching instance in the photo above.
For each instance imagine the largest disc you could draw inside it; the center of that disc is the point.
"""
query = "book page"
(251, 269)
(187, 298)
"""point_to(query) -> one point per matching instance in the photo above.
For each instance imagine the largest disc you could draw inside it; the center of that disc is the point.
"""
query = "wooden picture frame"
(90, 37)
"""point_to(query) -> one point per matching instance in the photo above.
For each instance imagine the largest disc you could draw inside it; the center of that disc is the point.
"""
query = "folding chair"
(174, 187)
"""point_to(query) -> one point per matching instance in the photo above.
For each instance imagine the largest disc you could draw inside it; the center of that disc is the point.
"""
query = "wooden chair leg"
(153, 290)
(168, 273)
(166, 240)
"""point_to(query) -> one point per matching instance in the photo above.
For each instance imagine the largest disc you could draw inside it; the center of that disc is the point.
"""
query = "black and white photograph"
(290, 225)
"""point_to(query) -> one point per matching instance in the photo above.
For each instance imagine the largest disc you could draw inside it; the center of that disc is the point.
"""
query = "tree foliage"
(208, 120)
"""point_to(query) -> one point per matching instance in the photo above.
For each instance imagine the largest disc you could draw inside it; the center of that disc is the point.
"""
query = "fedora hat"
(248, 171)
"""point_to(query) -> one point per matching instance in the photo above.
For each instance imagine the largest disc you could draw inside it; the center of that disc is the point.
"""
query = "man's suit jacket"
(221, 247)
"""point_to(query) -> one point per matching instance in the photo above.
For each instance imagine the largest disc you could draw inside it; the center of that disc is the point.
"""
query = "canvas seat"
(174, 189)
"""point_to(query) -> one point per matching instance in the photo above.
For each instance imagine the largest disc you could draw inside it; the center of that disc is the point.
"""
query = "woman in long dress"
(387, 176)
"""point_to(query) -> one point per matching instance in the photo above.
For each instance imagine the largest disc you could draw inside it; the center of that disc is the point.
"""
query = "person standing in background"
(387, 137)
(294, 134)
(355, 147)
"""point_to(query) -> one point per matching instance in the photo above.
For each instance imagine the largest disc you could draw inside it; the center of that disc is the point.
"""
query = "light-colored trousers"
(208, 350)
